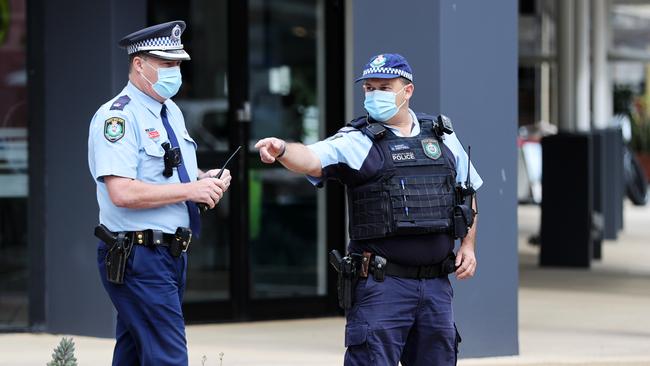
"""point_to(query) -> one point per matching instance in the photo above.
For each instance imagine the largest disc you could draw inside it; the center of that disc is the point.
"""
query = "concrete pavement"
(595, 317)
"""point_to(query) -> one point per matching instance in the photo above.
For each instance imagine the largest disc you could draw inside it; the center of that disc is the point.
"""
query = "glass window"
(13, 165)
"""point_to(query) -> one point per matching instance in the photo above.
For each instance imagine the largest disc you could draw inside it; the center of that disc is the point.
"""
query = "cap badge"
(379, 61)
(176, 33)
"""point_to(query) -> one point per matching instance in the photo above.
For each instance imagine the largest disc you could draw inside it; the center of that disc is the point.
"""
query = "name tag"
(398, 147)
(403, 156)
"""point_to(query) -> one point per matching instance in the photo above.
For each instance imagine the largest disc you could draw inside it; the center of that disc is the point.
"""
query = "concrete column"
(582, 68)
(602, 96)
(565, 57)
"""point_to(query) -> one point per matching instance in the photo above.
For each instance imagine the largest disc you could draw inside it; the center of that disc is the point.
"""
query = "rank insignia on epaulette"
(431, 148)
(114, 128)
(120, 102)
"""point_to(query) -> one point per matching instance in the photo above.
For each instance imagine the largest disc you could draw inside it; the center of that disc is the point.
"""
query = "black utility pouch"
(463, 220)
(181, 241)
(116, 259)
(379, 268)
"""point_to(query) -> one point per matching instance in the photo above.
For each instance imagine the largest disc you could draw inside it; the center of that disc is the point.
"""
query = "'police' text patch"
(403, 156)
(114, 128)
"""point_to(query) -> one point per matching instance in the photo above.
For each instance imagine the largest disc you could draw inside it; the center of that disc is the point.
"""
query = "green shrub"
(64, 354)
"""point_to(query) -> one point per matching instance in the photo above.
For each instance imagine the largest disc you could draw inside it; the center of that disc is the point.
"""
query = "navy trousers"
(401, 320)
(150, 327)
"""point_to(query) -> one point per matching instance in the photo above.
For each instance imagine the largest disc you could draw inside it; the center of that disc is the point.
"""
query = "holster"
(120, 246)
(348, 276)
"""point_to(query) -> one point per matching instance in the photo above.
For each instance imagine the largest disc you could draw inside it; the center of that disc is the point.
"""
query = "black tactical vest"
(414, 191)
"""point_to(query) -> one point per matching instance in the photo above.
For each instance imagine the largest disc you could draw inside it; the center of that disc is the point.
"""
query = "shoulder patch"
(114, 128)
(120, 102)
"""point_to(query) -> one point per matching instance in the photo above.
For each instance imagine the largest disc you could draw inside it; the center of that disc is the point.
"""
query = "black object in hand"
(202, 206)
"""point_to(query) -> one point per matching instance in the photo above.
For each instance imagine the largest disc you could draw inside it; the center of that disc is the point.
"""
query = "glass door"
(257, 70)
(204, 101)
(285, 250)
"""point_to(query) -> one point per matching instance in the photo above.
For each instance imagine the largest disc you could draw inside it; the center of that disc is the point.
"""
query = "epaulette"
(374, 130)
(120, 103)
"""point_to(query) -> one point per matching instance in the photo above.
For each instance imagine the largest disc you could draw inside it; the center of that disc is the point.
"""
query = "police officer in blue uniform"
(143, 161)
(409, 197)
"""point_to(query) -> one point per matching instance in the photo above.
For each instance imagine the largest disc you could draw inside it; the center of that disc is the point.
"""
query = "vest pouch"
(422, 204)
(370, 212)
(417, 227)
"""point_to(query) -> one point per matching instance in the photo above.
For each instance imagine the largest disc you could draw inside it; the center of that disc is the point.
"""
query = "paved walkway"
(567, 317)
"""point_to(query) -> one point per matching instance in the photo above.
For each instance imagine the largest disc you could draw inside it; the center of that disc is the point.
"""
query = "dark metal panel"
(81, 71)
(36, 206)
(334, 119)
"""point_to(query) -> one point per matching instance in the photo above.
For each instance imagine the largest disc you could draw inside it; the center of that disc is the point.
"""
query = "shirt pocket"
(190, 140)
(151, 163)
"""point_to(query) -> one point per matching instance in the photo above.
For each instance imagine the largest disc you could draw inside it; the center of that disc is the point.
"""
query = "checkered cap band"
(153, 44)
(388, 70)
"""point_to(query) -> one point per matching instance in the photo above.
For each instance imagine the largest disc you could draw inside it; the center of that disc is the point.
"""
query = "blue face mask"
(381, 105)
(169, 81)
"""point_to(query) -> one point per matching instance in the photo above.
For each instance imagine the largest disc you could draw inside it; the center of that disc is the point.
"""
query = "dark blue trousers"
(150, 328)
(401, 320)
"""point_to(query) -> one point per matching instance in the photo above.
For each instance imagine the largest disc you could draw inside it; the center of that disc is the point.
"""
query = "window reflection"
(13, 165)
(284, 238)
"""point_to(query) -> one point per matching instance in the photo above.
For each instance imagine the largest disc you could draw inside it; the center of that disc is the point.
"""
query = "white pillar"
(602, 96)
(565, 52)
(582, 67)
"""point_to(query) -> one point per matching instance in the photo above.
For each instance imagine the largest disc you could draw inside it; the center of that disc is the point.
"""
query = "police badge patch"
(431, 148)
(114, 128)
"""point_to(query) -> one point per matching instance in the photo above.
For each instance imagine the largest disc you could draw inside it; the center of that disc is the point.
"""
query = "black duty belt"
(150, 237)
(380, 267)
(178, 242)
(417, 272)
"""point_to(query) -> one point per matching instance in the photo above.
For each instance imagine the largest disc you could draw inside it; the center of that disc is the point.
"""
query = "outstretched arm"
(294, 156)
